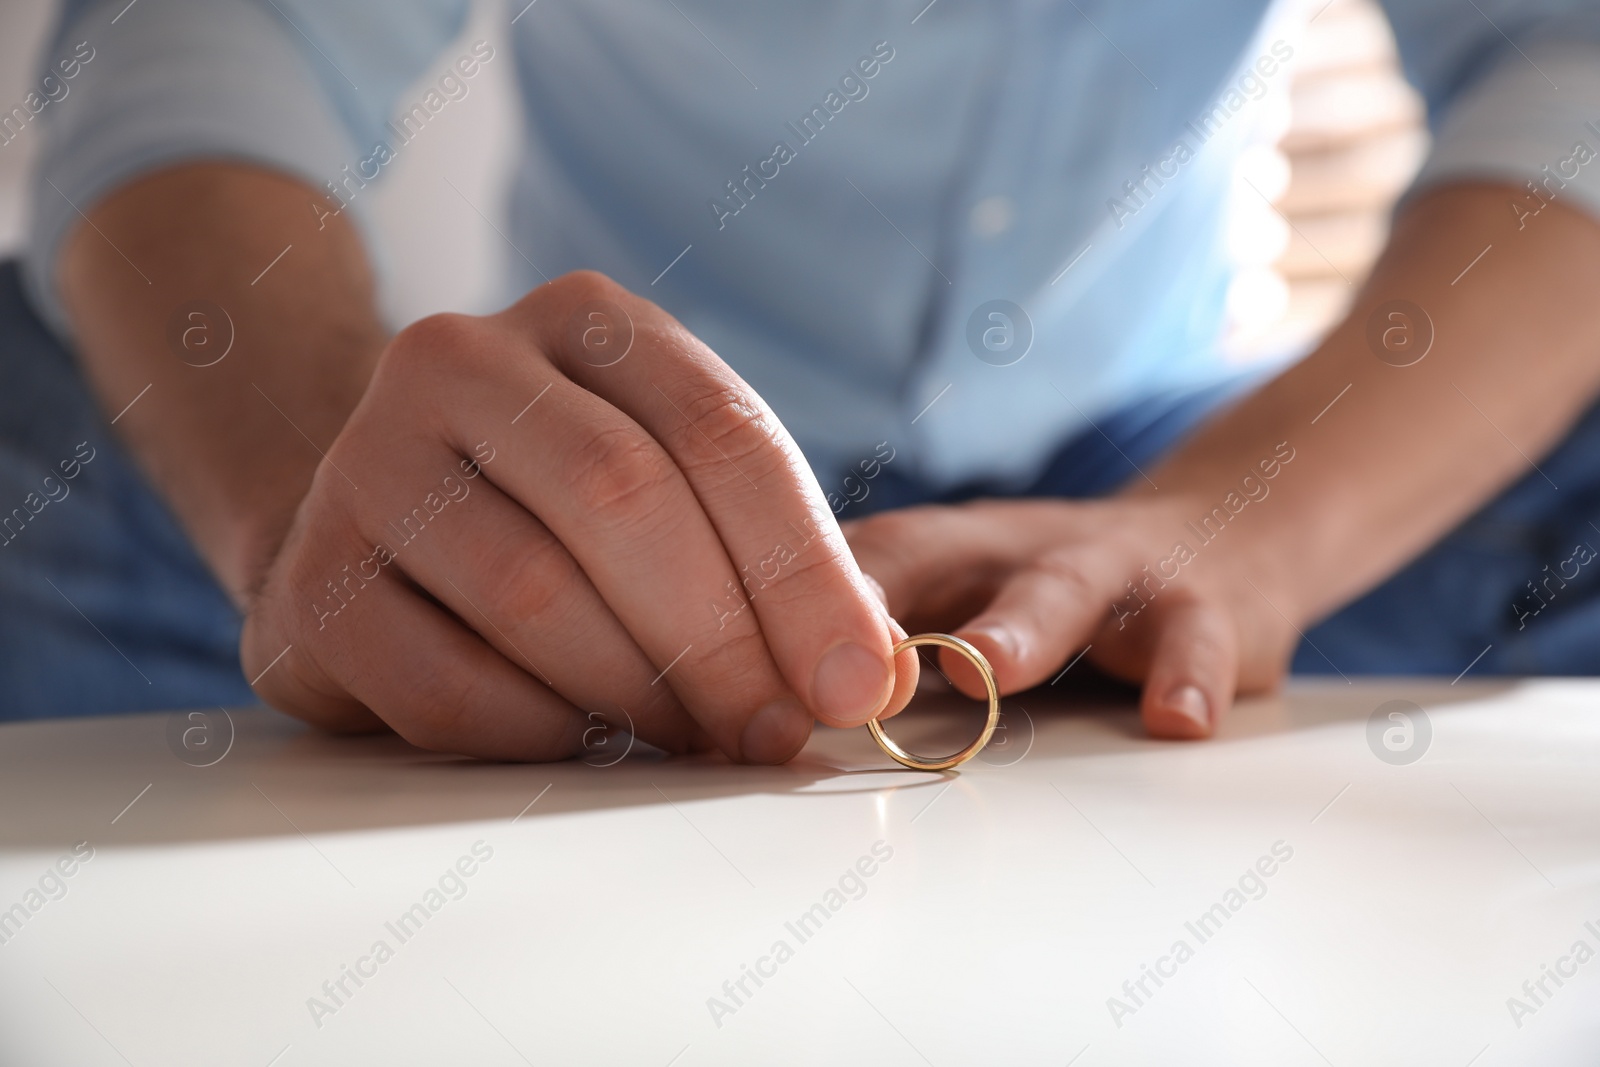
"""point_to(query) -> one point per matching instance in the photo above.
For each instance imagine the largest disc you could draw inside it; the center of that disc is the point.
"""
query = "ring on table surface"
(919, 763)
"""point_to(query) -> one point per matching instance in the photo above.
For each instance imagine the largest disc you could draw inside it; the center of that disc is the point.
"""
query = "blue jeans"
(106, 608)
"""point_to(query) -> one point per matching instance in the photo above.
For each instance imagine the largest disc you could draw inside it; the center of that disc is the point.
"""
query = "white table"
(1017, 895)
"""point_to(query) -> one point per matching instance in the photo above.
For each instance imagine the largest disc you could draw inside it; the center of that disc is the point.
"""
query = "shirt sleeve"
(1513, 93)
(304, 87)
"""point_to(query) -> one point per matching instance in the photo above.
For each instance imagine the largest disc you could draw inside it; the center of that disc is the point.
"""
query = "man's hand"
(1387, 456)
(571, 507)
(1032, 583)
(523, 526)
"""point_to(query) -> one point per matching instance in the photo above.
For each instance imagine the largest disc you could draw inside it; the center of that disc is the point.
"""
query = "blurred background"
(1350, 139)
(1348, 135)
(440, 255)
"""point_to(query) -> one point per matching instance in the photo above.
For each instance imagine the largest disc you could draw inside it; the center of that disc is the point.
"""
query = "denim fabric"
(104, 606)
(1516, 582)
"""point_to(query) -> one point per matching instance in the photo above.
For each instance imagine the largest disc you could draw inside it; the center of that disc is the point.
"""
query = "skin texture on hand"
(231, 447)
(1031, 583)
(486, 532)
(1386, 459)
(596, 551)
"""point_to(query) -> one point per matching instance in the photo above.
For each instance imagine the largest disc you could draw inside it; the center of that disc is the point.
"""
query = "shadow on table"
(121, 781)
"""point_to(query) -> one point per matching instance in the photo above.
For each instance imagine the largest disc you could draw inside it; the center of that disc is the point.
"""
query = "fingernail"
(1187, 701)
(776, 732)
(850, 683)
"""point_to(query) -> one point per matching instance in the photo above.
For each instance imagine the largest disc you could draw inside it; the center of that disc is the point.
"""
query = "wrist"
(1227, 521)
(237, 527)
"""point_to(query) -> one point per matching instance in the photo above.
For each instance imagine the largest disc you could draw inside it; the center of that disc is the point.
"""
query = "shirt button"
(992, 216)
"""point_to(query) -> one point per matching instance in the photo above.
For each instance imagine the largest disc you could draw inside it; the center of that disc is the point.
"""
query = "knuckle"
(454, 711)
(736, 666)
(735, 424)
(1067, 570)
(421, 353)
(620, 473)
(580, 286)
(294, 675)
(434, 730)
(1206, 650)
(813, 564)
(442, 336)
(814, 571)
(436, 709)
(533, 580)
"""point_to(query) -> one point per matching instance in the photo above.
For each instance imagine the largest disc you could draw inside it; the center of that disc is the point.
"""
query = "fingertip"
(851, 684)
(1182, 713)
(907, 673)
(998, 645)
(776, 732)
(1192, 673)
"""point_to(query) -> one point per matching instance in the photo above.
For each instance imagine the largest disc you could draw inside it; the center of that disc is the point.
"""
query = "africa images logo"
(999, 333)
(1399, 732)
(1399, 333)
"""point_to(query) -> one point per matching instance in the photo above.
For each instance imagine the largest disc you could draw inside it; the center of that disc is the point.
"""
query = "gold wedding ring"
(918, 763)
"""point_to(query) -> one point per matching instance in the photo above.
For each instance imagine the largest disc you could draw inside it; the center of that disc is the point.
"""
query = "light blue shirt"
(832, 194)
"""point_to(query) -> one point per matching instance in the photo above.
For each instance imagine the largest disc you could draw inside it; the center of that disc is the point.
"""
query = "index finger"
(1026, 607)
(822, 622)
